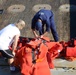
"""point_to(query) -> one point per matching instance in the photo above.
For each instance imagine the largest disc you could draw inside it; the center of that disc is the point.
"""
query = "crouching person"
(10, 35)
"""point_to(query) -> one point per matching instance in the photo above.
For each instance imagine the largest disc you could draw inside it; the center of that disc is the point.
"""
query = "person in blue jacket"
(44, 18)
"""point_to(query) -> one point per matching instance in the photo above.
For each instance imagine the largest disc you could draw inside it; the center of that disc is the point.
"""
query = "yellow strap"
(39, 60)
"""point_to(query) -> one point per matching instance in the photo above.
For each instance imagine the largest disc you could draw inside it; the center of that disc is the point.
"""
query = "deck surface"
(62, 67)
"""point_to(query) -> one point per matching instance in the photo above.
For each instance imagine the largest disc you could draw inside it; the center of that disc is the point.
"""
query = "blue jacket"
(47, 19)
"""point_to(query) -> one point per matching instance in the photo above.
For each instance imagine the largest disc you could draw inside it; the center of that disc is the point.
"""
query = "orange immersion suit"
(36, 57)
(32, 58)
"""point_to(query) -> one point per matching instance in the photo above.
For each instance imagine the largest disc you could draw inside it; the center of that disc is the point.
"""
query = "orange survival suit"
(34, 57)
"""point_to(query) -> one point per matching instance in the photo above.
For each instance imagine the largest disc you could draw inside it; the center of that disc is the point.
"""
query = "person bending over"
(44, 18)
(9, 35)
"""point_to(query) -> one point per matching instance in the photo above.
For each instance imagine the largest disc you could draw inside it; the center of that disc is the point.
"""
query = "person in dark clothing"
(44, 18)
